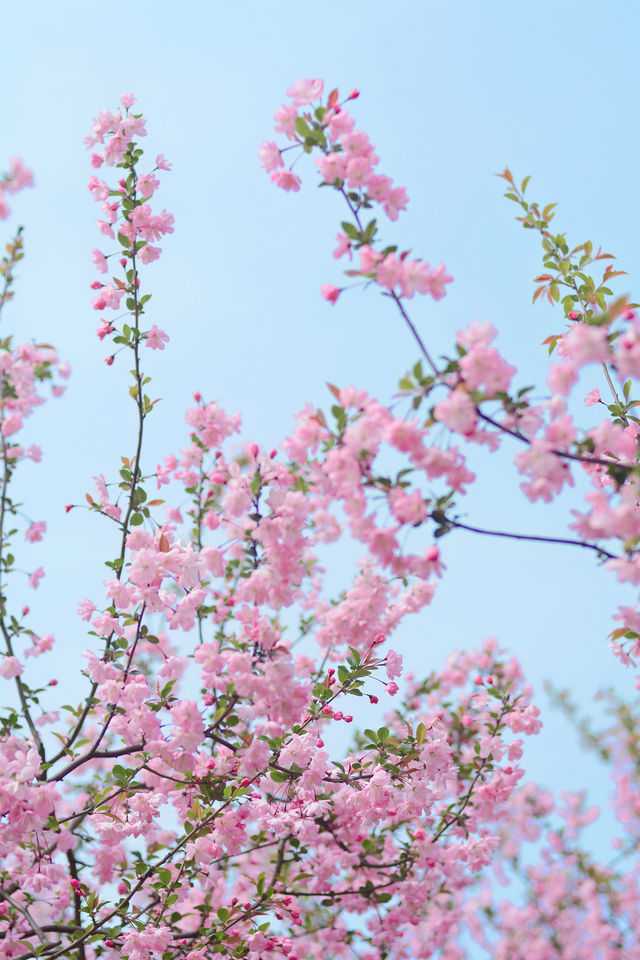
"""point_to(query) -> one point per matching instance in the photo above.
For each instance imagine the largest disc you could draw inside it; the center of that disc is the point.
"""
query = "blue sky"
(451, 93)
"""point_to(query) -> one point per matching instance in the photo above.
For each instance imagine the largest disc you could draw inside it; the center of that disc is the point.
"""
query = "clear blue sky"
(451, 92)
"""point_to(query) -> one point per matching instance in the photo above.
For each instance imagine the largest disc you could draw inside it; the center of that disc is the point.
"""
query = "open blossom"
(35, 531)
(10, 667)
(305, 91)
(286, 180)
(36, 577)
(99, 260)
(270, 156)
(156, 339)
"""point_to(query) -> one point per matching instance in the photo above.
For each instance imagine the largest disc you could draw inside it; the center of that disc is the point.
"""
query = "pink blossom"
(270, 156)
(305, 91)
(438, 279)
(344, 246)
(155, 339)
(127, 100)
(35, 531)
(285, 118)
(162, 163)
(147, 184)
(330, 293)
(393, 664)
(99, 260)
(85, 609)
(36, 577)
(286, 180)
(11, 424)
(149, 253)
(10, 667)
(592, 397)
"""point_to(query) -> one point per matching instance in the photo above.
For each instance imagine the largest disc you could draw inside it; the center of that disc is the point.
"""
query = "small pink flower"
(35, 531)
(162, 163)
(36, 577)
(85, 609)
(392, 688)
(330, 293)
(393, 664)
(11, 424)
(156, 338)
(592, 397)
(96, 161)
(99, 260)
(10, 667)
(305, 91)
(127, 100)
(286, 180)
(270, 156)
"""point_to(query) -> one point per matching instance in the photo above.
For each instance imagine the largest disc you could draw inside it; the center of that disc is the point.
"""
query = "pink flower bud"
(479, 681)
(245, 782)
(330, 293)
(348, 718)
(53, 683)
(68, 507)
(122, 887)
(255, 450)
(109, 360)
(319, 742)
(25, 611)
(392, 688)
(372, 698)
(573, 315)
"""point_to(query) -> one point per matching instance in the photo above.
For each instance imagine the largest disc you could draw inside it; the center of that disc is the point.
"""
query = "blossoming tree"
(210, 793)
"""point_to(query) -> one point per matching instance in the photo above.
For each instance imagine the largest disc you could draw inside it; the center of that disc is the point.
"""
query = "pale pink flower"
(344, 246)
(286, 180)
(10, 667)
(36, 577)
(149, 253)
(156, 338)
(285, 118)
(147, 184)
(393, 664)
(35, 531)
(592, 397)
(270, 156)
(127, 100)
(305, 91)
(99, 260)
(437, 281)
(162, 163)
(11, 424)
(85, 609)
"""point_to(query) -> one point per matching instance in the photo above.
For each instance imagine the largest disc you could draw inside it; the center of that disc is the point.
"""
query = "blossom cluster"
(127, 213)
(348, 163)
(212, 794)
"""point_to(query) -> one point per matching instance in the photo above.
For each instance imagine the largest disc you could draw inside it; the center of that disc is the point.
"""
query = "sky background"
(451, 92)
